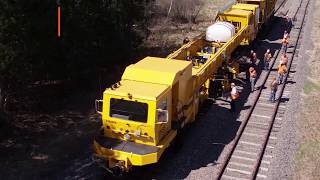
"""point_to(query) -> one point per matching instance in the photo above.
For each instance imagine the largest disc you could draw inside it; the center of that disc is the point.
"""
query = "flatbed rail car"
(142, 113)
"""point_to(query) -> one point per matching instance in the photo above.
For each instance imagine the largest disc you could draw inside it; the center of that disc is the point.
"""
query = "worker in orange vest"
(267, 59)
(282, 69)
(253, 76)
(285, 42)
(273, 88)
(284, 59)
(234, 96)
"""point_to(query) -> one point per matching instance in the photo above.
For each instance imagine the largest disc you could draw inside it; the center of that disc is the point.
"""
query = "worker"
(253, 75)
(286, 35)
(267, 59)
(284, 59)
(253, 57)
(186, 40)
(234, 96)
(282, 69)
(273, 88)
(188, 57)
(288, 22)
(285, 42)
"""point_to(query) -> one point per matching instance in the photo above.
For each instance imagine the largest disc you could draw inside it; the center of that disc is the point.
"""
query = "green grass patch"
(310, 86)
(308, 160)
(309, 149)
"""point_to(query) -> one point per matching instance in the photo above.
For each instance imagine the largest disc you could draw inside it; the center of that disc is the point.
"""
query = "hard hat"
(232, 84)
(251, 51)
(268, 50)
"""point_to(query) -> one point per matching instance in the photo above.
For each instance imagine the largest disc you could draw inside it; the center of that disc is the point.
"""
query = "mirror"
(98, 106)
(162, 116)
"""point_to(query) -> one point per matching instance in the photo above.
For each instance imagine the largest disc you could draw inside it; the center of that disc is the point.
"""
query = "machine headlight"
(127, 137)
(137, 133)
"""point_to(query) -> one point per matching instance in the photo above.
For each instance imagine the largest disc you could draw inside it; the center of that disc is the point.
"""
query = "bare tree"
(182, 10)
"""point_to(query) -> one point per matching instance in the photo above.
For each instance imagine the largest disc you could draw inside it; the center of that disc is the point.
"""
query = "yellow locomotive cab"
(137, 115)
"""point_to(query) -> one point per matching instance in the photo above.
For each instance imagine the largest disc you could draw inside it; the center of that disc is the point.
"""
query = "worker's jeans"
(284, 48)
(280, 78)
(266, 64)
(233, 105)
(272, 97)
(252, 81)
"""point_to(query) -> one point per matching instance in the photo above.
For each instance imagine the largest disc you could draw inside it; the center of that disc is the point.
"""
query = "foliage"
(181, 10)
(95, 34)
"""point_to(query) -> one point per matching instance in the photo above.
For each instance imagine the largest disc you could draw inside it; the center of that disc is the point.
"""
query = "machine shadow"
(284, 27)
(201, 144)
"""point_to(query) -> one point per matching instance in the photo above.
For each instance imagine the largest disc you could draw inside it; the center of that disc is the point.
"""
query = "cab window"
(162, 111)
(128, 110)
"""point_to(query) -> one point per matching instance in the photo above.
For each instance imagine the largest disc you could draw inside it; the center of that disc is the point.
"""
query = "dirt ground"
(308, 153)
(167, 34)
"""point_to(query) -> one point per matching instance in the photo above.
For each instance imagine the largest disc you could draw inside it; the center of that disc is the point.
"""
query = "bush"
(180, 10)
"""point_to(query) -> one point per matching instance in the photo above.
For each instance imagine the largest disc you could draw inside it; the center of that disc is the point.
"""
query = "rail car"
(156, 97)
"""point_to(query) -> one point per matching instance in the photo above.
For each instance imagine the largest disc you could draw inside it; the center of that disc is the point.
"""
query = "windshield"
(128, 110)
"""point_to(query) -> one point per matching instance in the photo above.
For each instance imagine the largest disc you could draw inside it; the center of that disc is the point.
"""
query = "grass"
(307, 157)
(308, 160)
(310, 86)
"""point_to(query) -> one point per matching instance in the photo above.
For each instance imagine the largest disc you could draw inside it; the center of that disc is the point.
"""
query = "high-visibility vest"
(285, 41)
(235, 96)
(282, 69)
(253, 74)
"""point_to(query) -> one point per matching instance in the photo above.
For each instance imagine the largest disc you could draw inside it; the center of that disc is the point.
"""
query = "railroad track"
(282, 5)
(249, 157)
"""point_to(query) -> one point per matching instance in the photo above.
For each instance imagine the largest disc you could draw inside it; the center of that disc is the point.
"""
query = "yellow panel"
(134, 159)
(161, 64)
(157, 70)
(238, 12)
(139, 90)
(250, 7)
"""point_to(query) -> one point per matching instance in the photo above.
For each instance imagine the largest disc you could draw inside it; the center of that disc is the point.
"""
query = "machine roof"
(156, 70)
(238, 12)
(140, 90)
(245, 6)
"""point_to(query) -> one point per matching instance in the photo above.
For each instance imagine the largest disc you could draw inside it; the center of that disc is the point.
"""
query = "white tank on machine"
(220, 32)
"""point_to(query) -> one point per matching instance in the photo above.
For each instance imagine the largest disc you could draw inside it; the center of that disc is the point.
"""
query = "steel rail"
(265, 143)
(248, 115)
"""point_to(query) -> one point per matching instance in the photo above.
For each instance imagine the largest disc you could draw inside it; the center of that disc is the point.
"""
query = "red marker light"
(59, 21)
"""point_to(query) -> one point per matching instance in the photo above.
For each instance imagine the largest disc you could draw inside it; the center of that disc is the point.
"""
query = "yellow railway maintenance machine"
(142, 113)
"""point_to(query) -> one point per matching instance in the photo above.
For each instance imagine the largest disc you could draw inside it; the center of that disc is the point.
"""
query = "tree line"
(96, 35)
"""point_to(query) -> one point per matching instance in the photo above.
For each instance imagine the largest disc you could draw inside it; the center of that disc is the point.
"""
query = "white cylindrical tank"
(220, 32)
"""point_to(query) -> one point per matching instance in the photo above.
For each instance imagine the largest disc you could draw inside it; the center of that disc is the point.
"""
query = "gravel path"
(282, 166)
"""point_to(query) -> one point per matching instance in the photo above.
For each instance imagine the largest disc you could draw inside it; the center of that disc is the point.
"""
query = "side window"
(162, 111)
(163, 105)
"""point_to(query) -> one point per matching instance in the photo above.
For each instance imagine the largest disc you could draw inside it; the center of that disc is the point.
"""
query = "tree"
(94, 34)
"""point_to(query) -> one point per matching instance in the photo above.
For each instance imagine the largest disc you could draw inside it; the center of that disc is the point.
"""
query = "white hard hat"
(232, 84)
(268, 50)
